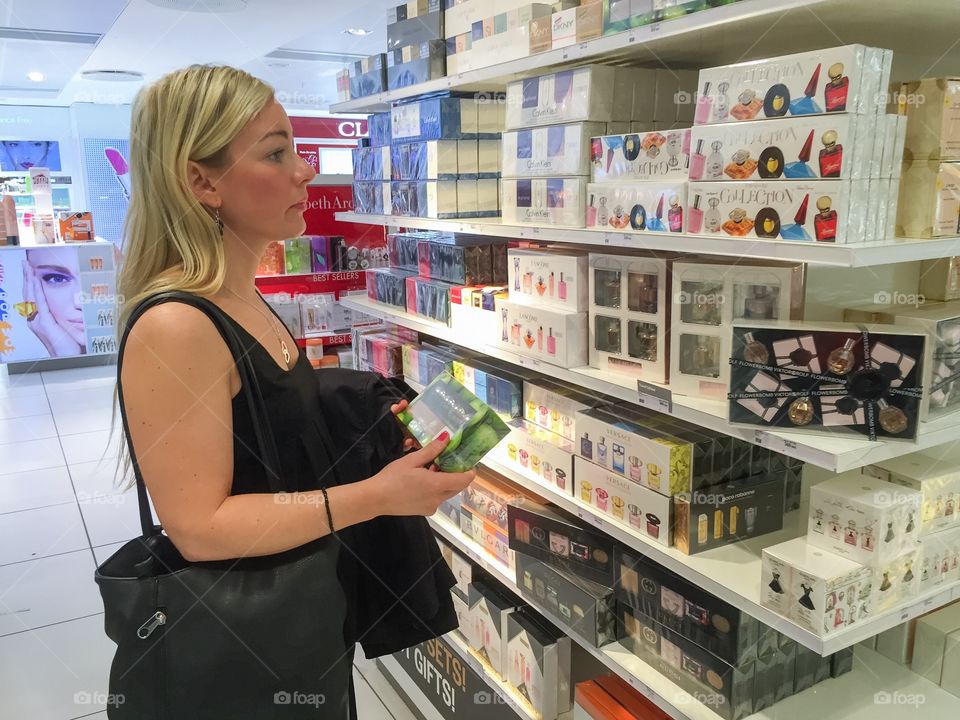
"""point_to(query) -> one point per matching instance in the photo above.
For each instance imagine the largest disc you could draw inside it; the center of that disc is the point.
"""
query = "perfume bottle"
(540, 339)
(675, 215)
(591, 213)
(892, 419)
(643, 341)
(738, 224)
(618, 458)
(528, 283)
(797, 230)
(831, 157)
(825, 222)
(714, 165)
(835, 93)
(551, 343)
(602, 452)
(516, 274)
(759, 304)
(748, 105)
(806, 105)
(800, 411)
(754, 351)
(704, 106)
(721, 105)
(741, 166)
(695, 217)
(841, 360)
(505, 323)
(562, 288)
(603, 214)
(697, 162)
(801, 169)
(711, 218)
(550, 285)
(704, 362)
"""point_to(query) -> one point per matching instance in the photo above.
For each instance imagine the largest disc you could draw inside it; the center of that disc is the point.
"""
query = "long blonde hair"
(170, 240)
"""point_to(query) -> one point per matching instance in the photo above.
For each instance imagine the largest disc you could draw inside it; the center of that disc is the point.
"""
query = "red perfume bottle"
(831, 157)
(675, 215)
(825, 223)
(836, 91)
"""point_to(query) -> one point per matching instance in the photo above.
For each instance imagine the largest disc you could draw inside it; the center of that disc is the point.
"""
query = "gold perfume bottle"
(841, 360)
(892, 419)
(801, 411)
(754, 351)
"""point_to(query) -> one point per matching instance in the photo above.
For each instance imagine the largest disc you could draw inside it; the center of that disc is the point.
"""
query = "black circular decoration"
(767, 223)
(777, 101)
(770, 163)
(801, 356)
(868, 384)
(638, 218)
(847, 405)
(890, 371)
(767, 402)
(631, 147)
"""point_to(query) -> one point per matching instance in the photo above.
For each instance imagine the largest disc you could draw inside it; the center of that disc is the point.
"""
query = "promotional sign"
(324, 202)
(57, 301)
(107, 171)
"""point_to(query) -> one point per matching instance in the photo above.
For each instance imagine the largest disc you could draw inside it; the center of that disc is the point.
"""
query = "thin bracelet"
(326, 506)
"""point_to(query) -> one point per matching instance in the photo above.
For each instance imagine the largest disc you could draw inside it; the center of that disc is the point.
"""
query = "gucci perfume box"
(826, 377)
(537, 453)
(371, 198)
(936, 479)
(558, 539)
(543, 201)
(630, 305)
(723, 514)
(586, 607)
(416, 63)
(388, 285)
(423, 198)
(932, 109)
(554, 406)
(552, 335)
(538, 664)
(847, 79)
(864, 519)
(929, 200)
(553, 150)
(637, 207)
(548, 278)
(371, 163)
(426, 160)
(653, 155)
(690, 666)
(488, 628)
(820, 591)
(837, 146)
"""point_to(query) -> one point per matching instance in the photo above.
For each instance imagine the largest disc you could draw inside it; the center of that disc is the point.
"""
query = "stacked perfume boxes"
(620, 15)
(796, 148)
(416, 48)
(371, 168)
(480, 33)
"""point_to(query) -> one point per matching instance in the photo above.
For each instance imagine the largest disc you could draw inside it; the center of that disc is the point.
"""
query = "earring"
(217, 221)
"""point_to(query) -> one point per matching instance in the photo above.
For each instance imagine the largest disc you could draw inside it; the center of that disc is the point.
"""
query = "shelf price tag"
(654, 397)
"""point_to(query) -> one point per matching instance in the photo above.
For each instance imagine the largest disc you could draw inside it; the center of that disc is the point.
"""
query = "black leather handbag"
(248, 638)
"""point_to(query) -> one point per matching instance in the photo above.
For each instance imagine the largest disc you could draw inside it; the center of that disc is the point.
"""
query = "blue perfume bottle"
(618, 458)
(602, 452)
(586, 446)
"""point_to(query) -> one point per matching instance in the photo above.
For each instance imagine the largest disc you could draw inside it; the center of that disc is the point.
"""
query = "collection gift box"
(835, 80)
(422, 364)
(801, 148)
(426, 160)
(724, 514)
(820, 591)
(428, 298)
(933, 125)
(898, 579)
(713, 624)
(487, 633)
(545, 533)
(630, 315)
(588, 608)
(416, 63)
(693, 668)
(627, 444)
(624, 501)
(368, 76)
(487, 535)
(651, 155)
(549, 279)
(554, 150)
(937, 480)
(538, 664)
(552, 335)
(402, 249)
(864, 519)
(940, 279)
(538, 453)
(498, 388)
(929, 201)
(388, 285)
(826, 377)
(637, 207)
(464, 261)
(371, 198)
(543, 201)
(707, 299)
(554, 407)
(371, 163)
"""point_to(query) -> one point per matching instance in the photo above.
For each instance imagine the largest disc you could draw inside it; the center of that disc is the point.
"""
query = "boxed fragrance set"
(501, 389)
(488, 629)
(388, 285)
(429, 298)
(371, 163)
(549, 151)
(538, 664)
(637, 207)
(537, 453)
(554, 407)
(653, 155)
(929, 201)
(936, 479)
(463, 260)
(543, 201)
(553, 335)
(417, 63)
(548, 278)
(422, 363)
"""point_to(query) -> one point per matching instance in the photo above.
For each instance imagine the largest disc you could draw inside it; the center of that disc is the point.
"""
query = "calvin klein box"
(371, 198)
(435, 118)
(371, 163)
(537, 453)
(416, 63)
(932, 108)
(560, 540)
(388, 285)
(489, 613)
(548, 278)
(538, 664)
(543, 201)
(554, 407)
(834, 80)
(552, 335)
(553, 150)
(724, 514)
(637, 206)
(929, 201)
(424, 198)
(414, 30)
(937, 480)
(651, 155)
(588, 608)
(427, 160)
(694, 669)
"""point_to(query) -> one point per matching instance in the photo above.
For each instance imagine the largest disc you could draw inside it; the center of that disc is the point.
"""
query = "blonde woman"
(215, 179)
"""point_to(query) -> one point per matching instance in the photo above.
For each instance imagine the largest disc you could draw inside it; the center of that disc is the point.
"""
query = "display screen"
(21, 155)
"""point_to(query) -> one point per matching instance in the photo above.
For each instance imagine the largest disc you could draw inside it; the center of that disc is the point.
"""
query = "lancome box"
(552, 335)
(543, 201)
(554, 150)
(546, 278)
(651, 155)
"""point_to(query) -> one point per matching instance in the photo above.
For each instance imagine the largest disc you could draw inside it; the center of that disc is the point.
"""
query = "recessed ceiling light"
(359, 32)
(36, 76)
(112, 75)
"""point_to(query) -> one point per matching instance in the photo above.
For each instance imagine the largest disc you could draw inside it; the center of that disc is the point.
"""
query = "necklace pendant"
(286, 352)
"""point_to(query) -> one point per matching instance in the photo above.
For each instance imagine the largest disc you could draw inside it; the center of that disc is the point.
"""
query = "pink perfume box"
(651, 155)
(558, 337)
(638, 207)
(548, 278)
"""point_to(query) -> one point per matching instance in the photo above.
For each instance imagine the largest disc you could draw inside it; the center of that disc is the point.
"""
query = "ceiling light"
(112, 75)
(36, 76)
(359, 32)
(206, 6)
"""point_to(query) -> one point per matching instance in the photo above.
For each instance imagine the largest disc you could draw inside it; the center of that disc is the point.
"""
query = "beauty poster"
(21, 155)
(106, 164)
(57, 301)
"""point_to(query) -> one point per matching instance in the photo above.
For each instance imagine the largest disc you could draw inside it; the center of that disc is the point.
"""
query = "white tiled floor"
(60, 514)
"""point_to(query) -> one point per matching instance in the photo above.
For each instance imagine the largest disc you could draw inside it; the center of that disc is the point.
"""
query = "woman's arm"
(178, 382)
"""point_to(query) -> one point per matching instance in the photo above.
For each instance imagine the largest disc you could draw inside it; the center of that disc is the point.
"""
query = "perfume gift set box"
(487, 630)
(543, 201)
(653, 155)
(936, 479)
(371, 164)
(538, 664)
(537, 453)
(552, 335)
(637, 207)
(549, 151)
(501, 389)
(463, 261)
(388, 285)
(554, 407)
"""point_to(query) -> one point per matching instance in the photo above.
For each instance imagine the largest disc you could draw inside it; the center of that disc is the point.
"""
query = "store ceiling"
(296, 45)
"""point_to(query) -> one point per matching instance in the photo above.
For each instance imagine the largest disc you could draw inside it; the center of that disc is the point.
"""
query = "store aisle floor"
(60, 514)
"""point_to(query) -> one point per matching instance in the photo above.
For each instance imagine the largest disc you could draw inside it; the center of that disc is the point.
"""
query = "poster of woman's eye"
(21, 155)
(57, 302)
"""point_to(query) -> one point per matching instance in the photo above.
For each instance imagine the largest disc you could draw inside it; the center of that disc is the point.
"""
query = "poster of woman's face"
(21, 155)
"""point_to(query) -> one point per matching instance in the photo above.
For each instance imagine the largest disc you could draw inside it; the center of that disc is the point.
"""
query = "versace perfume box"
(864, 519)
(847, 79)
(637, 207)
(548, 278)
(555, 336)
(537, 453)
(929, 200)
(488, 628)
(820, 591)
(554, 406)
(371, 198)
(932, 109)
(936, 479)
(553, 150)
(801, 148)
(727, 513)
(538, 664)
(826, 377)
(561, 540)
(426, 160)
(630, 306)
(388, 285)
(416, 63)
(588, 608)
(543, 201)
(644, 156)
(690, 666)
(371, 163)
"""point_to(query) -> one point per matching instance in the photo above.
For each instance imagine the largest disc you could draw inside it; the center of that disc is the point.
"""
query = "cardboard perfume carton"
(460, 17)
(538, 454)
(554, 336)
(553, 150)
(379, 129)
(500, 389)
(543, 201)
(897, 642)
(554, 407)
(548, 279)
(637, 207)
(814, 377)
(488, 500)
(488, 158)
(461, 264)
(818, 590)
(930, 645)
(538, 664)
(423, 198)
(940, 279)
(429, 298)
(436, 118)
(489, 615)
(371, 163)
(371, 198)
(368, 76)
(932, 108)
(929, 200)
(644, 156)
(425, 160)
(422, 364)
(388, 285)
(936, 479)
(940, 559)
(416, 63)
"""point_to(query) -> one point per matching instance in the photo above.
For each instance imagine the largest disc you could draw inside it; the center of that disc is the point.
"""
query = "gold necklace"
(273, 324)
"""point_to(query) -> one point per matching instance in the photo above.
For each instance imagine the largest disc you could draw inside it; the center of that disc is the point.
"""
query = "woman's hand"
(409, 443)
(407, 487)
(41, 322)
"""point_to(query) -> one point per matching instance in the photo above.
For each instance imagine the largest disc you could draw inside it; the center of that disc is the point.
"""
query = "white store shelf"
(826, 254)
(832, 452)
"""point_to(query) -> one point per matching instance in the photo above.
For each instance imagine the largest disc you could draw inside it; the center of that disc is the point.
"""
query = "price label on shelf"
(590, 518)
(654, 397)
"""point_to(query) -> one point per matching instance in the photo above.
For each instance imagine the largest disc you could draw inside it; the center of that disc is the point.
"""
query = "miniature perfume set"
(548, 278)
(543, 201)
(487, 629)
(388, 286)
(501, 389)
(653, 155)
(549, 151)
(938, 482)
(637, 206)
(552, 335)
(554, 407)
(537, 453)
(827, 377)
(538, 664)
(463, 260)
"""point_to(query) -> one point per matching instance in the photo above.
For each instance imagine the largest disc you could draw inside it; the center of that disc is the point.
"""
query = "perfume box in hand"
(938, 481)
(827, 377)
(446, 406)
(637, 207)
(551, 335)
(543, 201)
(538, 664)
(653, 155)
(550, 151)
(548, 278)
(818, 590)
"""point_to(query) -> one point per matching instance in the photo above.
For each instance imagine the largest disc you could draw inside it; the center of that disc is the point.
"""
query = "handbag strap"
(250, 387)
